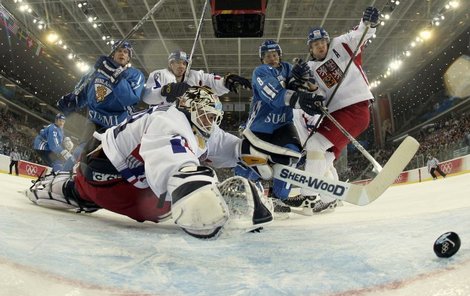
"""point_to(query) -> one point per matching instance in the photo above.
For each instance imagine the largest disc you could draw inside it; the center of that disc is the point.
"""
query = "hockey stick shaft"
(79, 89)
(356, 144)
(352, 193)
(198, 33)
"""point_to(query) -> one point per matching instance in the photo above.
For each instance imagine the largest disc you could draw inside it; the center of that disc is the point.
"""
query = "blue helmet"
(125, 44)
(178, 55)
(317, 33)
(269, 45)
(60, 116)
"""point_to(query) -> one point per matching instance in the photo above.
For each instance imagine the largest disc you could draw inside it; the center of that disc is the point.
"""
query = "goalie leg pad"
(197, 205)
(256, 160)
(57, 191)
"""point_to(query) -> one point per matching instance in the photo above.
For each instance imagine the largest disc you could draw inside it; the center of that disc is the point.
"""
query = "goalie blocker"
(352, 193)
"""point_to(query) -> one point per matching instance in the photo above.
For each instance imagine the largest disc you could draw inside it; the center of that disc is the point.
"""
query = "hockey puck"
(447, 245)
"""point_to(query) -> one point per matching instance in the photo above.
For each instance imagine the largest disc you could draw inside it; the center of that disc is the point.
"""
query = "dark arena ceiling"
(85, 28)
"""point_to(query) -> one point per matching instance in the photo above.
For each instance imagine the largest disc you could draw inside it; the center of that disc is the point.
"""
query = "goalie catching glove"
(202, 208)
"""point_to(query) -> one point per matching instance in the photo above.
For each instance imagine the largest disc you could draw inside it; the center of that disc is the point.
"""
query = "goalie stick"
(352, 193)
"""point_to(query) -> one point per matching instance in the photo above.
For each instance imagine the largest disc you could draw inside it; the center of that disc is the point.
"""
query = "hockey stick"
(356, 144)
(198, 33)
(352, 193)
(79, 89)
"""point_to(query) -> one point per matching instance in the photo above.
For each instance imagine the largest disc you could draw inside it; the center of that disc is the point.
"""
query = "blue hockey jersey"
(109, 104)
(49, 139)
(268, 111)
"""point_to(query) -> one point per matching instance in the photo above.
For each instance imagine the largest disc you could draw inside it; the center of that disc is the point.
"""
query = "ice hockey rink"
(384, 248)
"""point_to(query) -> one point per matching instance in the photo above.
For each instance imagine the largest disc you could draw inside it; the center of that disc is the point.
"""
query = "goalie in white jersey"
(149, 168)
(165, 85)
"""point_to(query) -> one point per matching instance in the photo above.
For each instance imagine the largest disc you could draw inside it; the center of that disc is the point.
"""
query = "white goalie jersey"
(157, 79)
(148, 148)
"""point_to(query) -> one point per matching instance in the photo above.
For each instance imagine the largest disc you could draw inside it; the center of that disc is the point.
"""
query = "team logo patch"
(178, 145)
(101, 91)
(330, 73)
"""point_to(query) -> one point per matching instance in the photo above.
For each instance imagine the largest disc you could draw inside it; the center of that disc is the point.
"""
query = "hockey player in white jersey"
(165, 85)
(350, 104)
(149, 169)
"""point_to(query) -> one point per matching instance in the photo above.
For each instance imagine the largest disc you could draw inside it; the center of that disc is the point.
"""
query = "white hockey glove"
(68, 144)
(65, 154)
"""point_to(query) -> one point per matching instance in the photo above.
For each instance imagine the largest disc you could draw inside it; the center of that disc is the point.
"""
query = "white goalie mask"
(204, 107)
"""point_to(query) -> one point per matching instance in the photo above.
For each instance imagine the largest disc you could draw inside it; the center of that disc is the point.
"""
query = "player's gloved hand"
(300, 85)
(174, 90)
(68, 103)
(371, 16)
(68, 144)
(300, 71)
(65, 154)
(109, 68)
(308, 102)
(232, 82)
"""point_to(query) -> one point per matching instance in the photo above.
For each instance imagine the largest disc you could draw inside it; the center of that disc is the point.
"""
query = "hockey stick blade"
(352, 193)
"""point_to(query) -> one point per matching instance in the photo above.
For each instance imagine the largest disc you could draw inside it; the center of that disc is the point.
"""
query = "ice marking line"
(401, 283)
(36, 272)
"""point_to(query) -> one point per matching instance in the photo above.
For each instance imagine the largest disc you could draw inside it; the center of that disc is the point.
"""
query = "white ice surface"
(384, 248)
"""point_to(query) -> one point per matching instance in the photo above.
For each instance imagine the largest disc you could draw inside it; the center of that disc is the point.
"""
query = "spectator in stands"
(433, 165)
(14, 158)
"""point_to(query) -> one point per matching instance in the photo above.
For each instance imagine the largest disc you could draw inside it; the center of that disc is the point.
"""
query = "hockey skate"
(309, 205)
(315, 205)
(281, 210)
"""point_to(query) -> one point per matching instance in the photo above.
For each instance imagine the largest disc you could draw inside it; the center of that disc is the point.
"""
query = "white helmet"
(204, 107)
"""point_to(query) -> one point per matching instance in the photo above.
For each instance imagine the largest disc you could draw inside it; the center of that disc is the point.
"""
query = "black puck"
(447, 244)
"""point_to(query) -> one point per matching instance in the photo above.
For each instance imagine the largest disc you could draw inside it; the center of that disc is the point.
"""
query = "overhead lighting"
(454, 4)
(425, 34)
(52, 37)
(24, 7)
